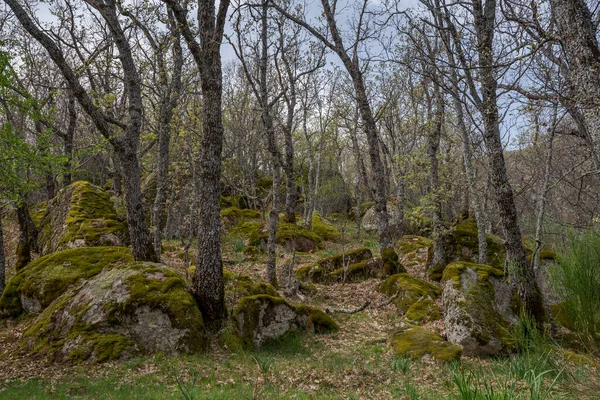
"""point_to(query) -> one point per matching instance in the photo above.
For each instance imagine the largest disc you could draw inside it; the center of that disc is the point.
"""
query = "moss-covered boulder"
(262, 318)
(414, 250)
(422, 312)
(325, 229)
(461, 244)
(233, 216)
(419, 343)
(291, 236)
(36, 286)
(241, 285)
(369, 220)
(129, 309)
(391, 262)
(479, 308)
(330, 269)
(80, 215)
(410, 290)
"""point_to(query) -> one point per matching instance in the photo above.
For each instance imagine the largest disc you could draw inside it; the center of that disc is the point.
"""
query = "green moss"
(240, 285)
(236, 215)
(324, 228)
(391, 263)
(548, 255)
(287, 232)
(330, 268)
(479, 301)
(464, 236)
(423, 311)
(48, 277)
(37, 212)
(80, 212)
(60, 331)
(561, 316)
(410, 290)
(455, 269)
(409, 244)
(318, 321)
(417, 342)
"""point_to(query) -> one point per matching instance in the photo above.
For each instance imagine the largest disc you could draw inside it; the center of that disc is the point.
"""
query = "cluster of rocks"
(92, 302)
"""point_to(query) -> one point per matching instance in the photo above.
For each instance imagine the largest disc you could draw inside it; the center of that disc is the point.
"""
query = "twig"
(331, 310)
(388, 301)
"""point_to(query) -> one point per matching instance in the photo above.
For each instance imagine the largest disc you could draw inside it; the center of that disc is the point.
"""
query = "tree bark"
(2, 258)
(68, 141)
(578, 37)
(521, 272)
(439, 255)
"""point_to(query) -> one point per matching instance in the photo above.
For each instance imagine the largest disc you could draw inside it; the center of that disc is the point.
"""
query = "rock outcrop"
(262, 318)
(126, 310)
(44, 280)
(325, 229)
(356, 264)
(369, 220)
(80, 215)
(415, 297)
(479, 308)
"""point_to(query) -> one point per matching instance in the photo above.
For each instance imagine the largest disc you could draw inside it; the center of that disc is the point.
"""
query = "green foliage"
(577, 279)
(401, 363)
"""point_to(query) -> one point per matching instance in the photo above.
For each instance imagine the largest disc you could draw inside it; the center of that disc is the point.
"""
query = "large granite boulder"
(44, 280)
(80, 215)
(479, 308)
(125, 310)
(262, 318)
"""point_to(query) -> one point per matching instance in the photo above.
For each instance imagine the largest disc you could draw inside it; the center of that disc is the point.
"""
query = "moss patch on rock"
(80, 215)
(44, 280)
(410, 290)
(325, 229)
(233, 216)
(330, 269)
(462, 244)
(423, 311)
(128, 309)
(419, 343)
(479, 308)
(241, 285)
(391, 262)
(262, 318)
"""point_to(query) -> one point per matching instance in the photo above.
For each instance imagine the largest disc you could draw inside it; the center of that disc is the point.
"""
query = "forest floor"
(354, 363)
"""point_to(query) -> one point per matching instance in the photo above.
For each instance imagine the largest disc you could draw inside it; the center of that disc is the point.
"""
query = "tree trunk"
(578, 37)
(439, 255)
(521, 272)
(543, 195)
(139, 235)
(27, 235)
(68, 141)
(2, 258)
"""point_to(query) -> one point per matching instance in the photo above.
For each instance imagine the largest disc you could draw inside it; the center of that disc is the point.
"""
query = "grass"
(577, 278)
(355, 363)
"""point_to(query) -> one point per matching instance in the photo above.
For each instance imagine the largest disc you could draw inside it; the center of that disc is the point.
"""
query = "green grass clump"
(577, 278)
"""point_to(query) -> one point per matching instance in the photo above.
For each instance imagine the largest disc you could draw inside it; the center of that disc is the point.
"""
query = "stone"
(126, 310)
(419, 343)
(331, 269)
(325, 229)
(479, 308)
(262, 318)
(45, 279)
(410, 290)
(369, 220)
(80, 215)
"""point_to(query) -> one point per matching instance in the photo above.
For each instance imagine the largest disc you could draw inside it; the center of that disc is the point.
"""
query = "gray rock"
(478, 308)
(131, 309)
(260, 319)
(369, 220)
